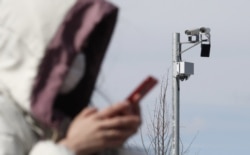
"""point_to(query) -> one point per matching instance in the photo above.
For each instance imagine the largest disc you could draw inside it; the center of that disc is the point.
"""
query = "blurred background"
(215, 100)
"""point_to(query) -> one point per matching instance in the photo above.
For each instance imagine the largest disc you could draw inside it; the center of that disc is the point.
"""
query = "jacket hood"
(39, 40)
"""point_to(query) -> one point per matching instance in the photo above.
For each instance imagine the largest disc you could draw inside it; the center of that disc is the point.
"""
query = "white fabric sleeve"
(10, 145)
(50, 148)
(16, 137)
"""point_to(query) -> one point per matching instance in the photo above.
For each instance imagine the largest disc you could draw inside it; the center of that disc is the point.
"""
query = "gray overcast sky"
(214, 101)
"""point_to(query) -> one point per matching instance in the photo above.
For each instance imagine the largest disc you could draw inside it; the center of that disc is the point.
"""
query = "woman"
(50, 56)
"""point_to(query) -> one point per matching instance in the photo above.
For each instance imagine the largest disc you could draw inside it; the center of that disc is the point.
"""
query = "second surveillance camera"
(197, 31)
(205, 30)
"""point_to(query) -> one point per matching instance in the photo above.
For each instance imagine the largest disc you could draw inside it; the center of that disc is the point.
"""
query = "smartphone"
(142, 89)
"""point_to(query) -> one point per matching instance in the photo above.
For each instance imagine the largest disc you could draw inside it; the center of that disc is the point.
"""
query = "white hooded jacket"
(40, 41)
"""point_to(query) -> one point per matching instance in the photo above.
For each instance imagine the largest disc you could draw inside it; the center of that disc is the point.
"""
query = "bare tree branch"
(160, 127)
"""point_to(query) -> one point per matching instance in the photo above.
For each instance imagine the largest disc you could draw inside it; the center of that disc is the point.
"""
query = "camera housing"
(197, 31)
(186, 68)
(200, 35)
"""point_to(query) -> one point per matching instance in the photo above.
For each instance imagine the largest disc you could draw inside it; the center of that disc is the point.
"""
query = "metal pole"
(176, 94)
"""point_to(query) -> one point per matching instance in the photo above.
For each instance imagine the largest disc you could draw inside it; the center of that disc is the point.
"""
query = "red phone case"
(142, 89)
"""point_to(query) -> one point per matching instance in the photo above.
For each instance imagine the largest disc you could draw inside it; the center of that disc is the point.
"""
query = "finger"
(116, 138)
(113, 110)
(125, 122)
(114, 144)
(136, 109)
(115, 134)
(87, 112)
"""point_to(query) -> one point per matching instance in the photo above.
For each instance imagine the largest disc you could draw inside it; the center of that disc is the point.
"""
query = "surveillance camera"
(192, 32)
(183, 77)
(197, 31)
(205, 30)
